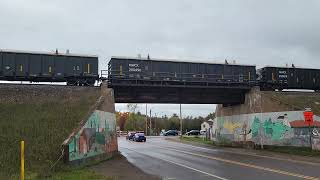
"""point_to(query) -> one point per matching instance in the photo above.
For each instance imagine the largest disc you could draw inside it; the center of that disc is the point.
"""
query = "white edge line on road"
(255, 155)
(182, 165)
(246, 165)
(188, 167)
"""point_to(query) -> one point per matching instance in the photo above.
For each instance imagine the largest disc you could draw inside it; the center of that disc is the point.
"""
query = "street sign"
(308, 117)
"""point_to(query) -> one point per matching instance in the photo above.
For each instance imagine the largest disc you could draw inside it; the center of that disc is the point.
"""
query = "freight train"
(176, 73)
(271, 78)
(73, 69)
(154, 71)
(82, 70)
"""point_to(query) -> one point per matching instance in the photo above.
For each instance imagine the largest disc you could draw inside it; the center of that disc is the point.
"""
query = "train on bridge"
(82, 70)
(148, 71)
(73, 69)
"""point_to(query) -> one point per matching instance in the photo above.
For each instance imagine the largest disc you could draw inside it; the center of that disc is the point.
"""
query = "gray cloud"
(252, 32)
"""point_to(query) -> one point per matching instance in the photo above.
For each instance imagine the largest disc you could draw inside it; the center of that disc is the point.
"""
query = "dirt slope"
(291, 101)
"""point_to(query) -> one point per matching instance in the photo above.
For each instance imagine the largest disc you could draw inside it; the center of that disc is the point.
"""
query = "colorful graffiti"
(275, 128)
(316, 140)
(97, 136)
(231, 127)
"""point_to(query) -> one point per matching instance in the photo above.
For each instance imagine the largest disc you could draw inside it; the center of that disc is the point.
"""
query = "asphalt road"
(174, 160)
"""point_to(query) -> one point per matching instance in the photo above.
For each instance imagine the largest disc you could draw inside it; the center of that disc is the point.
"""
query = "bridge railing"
(173, 76)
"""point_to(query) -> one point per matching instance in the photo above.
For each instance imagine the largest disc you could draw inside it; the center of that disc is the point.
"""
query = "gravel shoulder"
(120, 168)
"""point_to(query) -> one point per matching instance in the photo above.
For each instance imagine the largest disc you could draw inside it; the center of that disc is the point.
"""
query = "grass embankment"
(296, 101)
(43, 120)
(197, 139)
(75, 174)
(71, 174)
(203, 140)
(300, 151)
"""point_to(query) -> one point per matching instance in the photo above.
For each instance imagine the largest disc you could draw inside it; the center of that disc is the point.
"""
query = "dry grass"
(297, 100)
(43, 123)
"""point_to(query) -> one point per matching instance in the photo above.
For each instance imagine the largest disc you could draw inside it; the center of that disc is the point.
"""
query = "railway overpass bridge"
(255, 117)
(178, 93)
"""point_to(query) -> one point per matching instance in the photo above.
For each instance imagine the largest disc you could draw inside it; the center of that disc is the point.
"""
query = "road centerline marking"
(246, 165)
(179, 164)
(256, 155)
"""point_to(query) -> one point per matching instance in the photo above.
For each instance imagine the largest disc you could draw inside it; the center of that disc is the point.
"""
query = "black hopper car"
(168, 72)
(82, 70)
(271, 78)
(48, 67)
(146, 71)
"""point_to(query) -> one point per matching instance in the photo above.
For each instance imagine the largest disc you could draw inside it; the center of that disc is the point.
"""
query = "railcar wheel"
(72, 82)
(90, 82)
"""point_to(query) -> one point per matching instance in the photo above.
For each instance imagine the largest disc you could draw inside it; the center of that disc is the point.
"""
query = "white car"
(203, 132)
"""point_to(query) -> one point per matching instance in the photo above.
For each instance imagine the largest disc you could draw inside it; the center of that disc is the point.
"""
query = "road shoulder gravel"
(120, 168)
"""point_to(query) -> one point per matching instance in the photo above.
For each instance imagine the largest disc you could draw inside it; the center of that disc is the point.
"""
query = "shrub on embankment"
(42, 116)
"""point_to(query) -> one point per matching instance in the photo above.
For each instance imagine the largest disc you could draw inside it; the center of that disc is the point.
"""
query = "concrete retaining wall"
(96, 136)
(263, 119)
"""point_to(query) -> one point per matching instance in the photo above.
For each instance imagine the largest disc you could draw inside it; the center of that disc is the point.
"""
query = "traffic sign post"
(308, 119)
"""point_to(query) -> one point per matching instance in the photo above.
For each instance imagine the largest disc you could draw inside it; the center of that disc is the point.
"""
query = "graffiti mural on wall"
(275, 128)
(97, 136)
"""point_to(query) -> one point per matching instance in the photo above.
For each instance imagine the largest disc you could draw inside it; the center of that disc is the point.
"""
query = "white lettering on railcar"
(283, 74)
(134, 68)
(134, 65)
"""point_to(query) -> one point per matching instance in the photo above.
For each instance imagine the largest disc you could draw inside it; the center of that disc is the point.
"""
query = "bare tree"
(132, 107)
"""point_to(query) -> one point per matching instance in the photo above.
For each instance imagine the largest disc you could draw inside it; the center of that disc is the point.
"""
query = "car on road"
(171, 133)
(193, 132)
(130, 135)
(139, 137)
(203, 132)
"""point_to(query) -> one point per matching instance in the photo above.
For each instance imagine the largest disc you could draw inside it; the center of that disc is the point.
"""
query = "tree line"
(135, 121)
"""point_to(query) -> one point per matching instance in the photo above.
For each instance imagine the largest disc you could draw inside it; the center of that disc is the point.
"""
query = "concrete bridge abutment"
(268, 118)
(95, 138)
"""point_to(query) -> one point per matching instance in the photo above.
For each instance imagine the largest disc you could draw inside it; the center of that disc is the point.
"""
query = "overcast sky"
(250, 32)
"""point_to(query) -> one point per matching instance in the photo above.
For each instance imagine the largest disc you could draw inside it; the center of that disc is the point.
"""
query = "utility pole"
(180, 121)
(310, 140)
(260, 127)
(146, 119)
(150, 122)
(155, 123)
